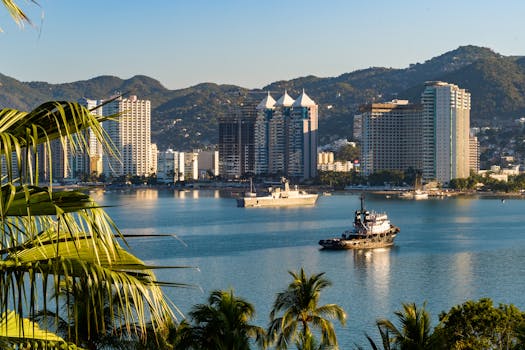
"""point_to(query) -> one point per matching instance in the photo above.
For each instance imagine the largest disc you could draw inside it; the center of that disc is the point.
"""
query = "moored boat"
(370, 230)
(278, 197)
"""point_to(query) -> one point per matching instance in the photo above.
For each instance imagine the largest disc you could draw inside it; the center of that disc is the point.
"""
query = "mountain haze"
(187, 118)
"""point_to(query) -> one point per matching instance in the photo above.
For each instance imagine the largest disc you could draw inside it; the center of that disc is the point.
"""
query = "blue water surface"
(448, 251)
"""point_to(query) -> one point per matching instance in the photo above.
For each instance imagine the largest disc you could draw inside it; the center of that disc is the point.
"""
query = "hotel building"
(445, 131)
(286, 134)
(432, 137)
(237, 142)
(390, 136)
(131, 136)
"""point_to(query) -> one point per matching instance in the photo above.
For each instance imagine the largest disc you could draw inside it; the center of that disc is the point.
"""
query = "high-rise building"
(474, 154)
(357, 127)
(432, 138)
(153, 158)
(90, 162)
(237, 142)
(390, 137)
(278, 159)
(445, 131)
(272, 138)
(286, 137)
(131, 136)
(303, 138)
(166, 166)
(263, 143)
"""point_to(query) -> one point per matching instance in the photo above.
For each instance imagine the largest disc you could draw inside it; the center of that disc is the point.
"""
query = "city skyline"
(182, 44)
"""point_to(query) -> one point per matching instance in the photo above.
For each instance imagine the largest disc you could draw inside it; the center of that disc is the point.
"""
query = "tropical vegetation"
(62, 240)
(474, 325)
(222, 323)
(413, 332)
(296, 313)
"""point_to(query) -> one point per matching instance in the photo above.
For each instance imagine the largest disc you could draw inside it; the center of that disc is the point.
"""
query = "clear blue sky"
(250, 43)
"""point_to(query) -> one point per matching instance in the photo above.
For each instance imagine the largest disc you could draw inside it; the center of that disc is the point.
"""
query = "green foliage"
(479, 325)
(300, 312)
(473, 325)
(223, 323)
(414, 331)
(347, 153)
(393, 177)
(339, 180)
(53, 239)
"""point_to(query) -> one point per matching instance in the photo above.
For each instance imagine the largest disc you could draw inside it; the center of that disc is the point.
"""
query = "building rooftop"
(285, 100)
(303, 101)
(267, 103)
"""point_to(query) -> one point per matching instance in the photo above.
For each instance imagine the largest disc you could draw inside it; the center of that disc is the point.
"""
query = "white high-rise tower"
(131, 136)
(445, 138)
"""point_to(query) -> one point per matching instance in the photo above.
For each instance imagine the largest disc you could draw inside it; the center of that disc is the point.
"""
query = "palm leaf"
(55, 239)
(15, 330)
(16, 12)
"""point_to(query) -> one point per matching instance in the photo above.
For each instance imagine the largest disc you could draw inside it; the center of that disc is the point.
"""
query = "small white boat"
(417, 194)
(278, 197)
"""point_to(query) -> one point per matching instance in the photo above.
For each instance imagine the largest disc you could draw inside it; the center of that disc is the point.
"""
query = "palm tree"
(16, 12)
(415, 332)
(222, 324)
(385, 340)
(300, 311)
(89, 317)
(54, 239)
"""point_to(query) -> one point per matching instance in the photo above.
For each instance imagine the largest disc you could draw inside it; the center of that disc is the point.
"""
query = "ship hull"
(256, 202)
(362, 242)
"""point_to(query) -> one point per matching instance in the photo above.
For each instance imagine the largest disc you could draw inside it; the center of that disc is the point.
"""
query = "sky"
(250, 43)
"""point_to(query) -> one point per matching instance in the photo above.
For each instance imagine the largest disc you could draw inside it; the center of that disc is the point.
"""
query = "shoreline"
(311, 189)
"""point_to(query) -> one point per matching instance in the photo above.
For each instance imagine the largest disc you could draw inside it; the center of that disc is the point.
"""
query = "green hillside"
(187, 118)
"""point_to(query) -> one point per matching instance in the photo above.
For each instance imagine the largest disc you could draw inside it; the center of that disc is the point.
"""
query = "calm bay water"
(448, 251)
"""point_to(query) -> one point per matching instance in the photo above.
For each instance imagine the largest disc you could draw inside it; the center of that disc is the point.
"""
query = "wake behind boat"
(370, 230)
(277, 197)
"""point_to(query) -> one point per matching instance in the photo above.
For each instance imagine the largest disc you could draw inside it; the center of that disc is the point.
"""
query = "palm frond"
(15, 330)
(16, 12)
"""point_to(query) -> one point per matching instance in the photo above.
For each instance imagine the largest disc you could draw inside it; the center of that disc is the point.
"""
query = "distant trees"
(347, 153)
(474, 325)
(339, 180)
(480, 325)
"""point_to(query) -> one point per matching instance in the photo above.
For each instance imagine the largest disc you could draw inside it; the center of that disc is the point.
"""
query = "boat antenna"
(362, 202)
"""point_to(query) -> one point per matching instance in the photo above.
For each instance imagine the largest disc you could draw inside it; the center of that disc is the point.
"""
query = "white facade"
(391, 137)
(166, 166)
(325, 157)
(131, 136)
(191, 166)
(286, 133)
(153, 160)
(446, 123)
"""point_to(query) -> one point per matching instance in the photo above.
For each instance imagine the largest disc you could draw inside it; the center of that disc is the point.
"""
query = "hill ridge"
(187, 118)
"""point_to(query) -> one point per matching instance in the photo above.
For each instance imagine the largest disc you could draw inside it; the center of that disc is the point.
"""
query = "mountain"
(187, 118)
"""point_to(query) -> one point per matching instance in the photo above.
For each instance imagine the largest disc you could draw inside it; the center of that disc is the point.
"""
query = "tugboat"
(371, 230)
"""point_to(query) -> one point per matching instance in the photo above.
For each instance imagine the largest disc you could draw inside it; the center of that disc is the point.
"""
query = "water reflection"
(147, 194)
(196, 194)
(373, 266)
(462, 274)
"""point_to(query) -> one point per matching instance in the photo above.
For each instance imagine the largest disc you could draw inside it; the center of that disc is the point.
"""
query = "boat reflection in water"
(370, 230)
